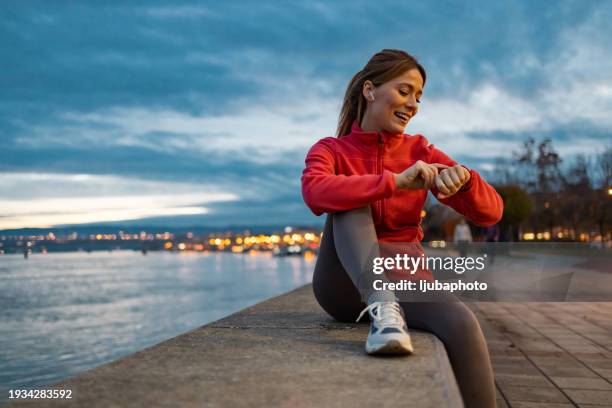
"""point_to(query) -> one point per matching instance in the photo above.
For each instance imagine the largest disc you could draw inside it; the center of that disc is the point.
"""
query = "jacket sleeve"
(477, 200)
(325, 191)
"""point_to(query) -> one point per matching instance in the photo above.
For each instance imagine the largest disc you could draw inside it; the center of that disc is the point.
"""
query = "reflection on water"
(63, 313)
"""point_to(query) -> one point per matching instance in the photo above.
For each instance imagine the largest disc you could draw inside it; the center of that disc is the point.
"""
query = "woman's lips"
(404, 118)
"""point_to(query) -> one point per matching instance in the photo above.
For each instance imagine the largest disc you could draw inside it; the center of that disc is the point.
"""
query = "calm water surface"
(63, 313)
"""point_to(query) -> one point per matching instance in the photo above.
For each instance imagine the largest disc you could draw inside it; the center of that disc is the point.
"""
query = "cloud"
(580, 84)
(263, 132)
(488, 108)
(92, 215)
(40, 200)
(164, 12)
(575, 94)
(226, 99)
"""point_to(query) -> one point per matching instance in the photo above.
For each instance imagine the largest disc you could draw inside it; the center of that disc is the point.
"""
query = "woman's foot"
(388, 331)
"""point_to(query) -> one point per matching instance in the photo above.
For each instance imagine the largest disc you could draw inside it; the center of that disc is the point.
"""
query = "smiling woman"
(392, 98)
(373, 181)
(45, 199)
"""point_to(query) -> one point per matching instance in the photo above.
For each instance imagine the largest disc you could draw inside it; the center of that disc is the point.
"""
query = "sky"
(201, 113)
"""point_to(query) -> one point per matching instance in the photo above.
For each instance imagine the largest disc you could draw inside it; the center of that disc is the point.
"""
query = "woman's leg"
(342, 280)
(453, 322)
(356, 246)
(331, 284)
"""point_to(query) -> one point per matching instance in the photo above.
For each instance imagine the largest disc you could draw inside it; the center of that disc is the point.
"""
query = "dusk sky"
(178, 113)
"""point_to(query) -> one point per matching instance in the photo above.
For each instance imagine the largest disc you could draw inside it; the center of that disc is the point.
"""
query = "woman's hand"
(419, 175)
(451, 179)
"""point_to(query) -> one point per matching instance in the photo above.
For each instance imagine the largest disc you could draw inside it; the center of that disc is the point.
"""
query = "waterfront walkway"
(287, 352)
(550, 355)
(282, 352)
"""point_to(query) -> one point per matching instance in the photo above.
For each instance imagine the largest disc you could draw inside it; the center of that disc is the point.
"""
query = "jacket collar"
(372, 138)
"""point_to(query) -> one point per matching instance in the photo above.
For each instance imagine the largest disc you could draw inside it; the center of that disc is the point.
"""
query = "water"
(63, 313)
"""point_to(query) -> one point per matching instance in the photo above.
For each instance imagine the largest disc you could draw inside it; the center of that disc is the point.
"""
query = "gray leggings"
(348, 239)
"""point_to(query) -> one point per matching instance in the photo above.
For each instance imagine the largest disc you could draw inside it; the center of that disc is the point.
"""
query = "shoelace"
(384, 313)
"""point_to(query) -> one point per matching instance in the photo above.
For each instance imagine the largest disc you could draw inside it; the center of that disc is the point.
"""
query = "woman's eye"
(403, 93)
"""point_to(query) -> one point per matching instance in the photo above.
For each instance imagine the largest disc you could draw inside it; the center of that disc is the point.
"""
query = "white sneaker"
(388, 331)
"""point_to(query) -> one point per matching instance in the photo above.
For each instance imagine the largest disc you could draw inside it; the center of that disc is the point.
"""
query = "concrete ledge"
(282, 352)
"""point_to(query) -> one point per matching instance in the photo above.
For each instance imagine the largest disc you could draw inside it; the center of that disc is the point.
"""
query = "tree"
(550, 178)
(577, 204)
(525, 165)
(539, 172)
(517, 208)
(604, 166)
(503, 172)
(603, 202)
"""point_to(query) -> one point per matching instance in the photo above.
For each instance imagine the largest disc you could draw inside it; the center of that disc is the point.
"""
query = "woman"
(373, 181)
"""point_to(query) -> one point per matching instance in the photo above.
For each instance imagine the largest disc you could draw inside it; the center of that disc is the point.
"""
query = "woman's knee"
(367, 209)
(351, 218)
(458, 323)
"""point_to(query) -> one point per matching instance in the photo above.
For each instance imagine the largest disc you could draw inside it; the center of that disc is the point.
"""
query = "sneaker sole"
(390, 347)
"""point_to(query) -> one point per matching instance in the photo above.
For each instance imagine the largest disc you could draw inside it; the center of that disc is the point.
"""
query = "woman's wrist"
(466, 185)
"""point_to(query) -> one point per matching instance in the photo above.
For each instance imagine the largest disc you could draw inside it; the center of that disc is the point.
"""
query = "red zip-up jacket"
(357, 169)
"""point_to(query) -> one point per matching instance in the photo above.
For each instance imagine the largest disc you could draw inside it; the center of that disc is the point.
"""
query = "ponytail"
(352, 106)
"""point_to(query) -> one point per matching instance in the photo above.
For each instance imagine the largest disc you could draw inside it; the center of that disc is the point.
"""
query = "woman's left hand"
(451, 179)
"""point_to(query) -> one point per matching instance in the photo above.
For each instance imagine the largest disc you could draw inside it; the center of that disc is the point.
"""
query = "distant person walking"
(462, 237)
(372, 180)
(492, 234)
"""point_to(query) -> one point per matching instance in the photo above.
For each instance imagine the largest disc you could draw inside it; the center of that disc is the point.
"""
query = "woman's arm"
(476, 200)
(325, 191)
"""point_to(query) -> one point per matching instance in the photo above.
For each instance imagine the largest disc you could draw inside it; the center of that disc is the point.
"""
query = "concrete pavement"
(283, 352)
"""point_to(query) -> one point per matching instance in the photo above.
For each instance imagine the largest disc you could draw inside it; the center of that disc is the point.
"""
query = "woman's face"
(395, 102)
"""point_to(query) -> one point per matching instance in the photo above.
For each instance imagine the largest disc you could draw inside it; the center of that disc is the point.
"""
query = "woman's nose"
(412, 104)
